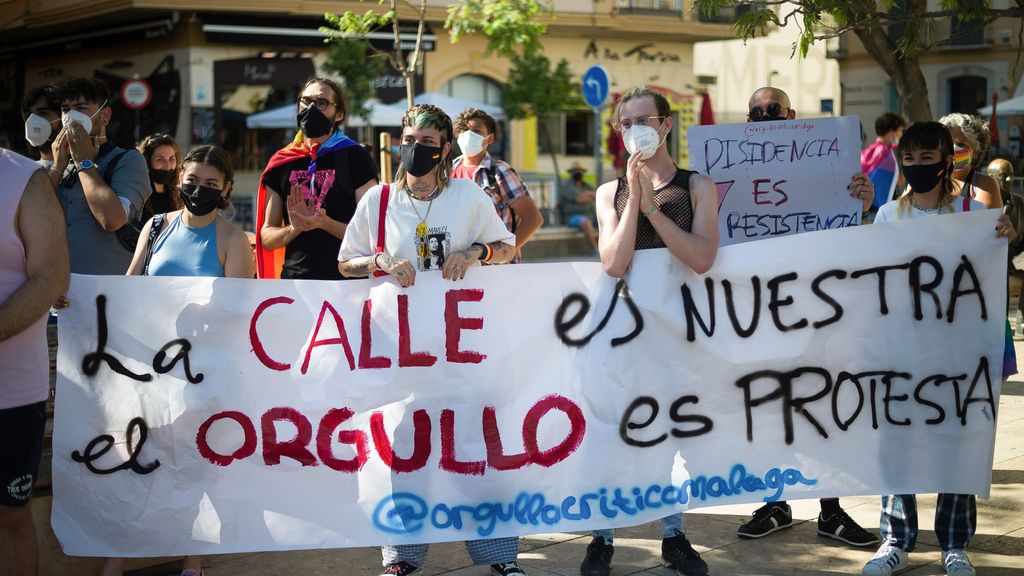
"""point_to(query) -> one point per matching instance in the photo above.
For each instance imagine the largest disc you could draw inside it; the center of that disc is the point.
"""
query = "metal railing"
(653, 7)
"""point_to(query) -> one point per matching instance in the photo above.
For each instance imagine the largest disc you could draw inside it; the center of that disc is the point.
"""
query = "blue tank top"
(185, 251)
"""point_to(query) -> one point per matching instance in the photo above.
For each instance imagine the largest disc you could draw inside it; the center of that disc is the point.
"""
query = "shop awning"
(452, 106)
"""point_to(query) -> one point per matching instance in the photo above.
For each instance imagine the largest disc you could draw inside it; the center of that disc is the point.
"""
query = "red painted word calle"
(453, 326)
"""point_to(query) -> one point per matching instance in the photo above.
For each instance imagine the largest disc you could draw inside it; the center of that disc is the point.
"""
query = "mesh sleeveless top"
(673, 200)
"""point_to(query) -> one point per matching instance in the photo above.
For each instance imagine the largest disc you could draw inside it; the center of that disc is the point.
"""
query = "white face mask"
(642, 139)
(37, 130)
(470, 143)
(86, 121)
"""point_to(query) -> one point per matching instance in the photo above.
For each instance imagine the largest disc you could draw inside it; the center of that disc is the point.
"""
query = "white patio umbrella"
(452, 106)
(1012, 107)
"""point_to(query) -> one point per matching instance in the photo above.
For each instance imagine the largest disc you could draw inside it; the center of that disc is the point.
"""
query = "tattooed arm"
(503, 253)
(363, 266)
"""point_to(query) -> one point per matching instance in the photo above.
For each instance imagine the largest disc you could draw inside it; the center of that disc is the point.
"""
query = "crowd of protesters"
(90, 207)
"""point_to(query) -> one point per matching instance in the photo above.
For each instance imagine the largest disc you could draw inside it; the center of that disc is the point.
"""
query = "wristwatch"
(86, 165)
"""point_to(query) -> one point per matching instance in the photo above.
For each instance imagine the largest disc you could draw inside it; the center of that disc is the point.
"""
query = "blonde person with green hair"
(423, 223)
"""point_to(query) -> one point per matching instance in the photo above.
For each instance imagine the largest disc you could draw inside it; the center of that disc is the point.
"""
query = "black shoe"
(507, 569)
(676, 552)
(840, 526)
(767, 519)
(598, 561)
(402, 568)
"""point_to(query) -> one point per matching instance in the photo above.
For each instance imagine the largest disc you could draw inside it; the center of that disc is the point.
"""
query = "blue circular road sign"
(596, 84)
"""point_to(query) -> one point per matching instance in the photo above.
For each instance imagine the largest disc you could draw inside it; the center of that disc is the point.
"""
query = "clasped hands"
(302, 214)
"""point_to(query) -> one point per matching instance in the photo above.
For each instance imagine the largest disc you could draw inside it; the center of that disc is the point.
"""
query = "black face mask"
(313, 123)
(419, 159)
(200, 200)
(924, 177)
(162, 177)
(577, 177)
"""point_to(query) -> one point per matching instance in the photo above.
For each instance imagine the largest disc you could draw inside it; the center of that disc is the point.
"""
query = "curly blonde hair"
(975, 129)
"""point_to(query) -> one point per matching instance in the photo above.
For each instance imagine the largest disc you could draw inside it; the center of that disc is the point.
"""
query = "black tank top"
(673, 200)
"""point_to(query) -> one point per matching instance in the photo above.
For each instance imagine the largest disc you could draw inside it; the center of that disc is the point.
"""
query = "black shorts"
(21, 447)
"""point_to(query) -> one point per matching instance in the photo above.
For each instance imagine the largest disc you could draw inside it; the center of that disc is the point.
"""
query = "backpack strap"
(108, 170)
(967, 204)
(154, 232)
(382, 211)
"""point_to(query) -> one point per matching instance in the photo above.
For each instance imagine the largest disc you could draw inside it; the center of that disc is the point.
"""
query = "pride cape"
(269, 262)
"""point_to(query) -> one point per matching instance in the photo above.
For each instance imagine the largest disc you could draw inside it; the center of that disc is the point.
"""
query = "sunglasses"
(774, 112)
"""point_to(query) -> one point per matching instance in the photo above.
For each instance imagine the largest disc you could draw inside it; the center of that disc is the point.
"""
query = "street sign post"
(596, 85)
(136, 94)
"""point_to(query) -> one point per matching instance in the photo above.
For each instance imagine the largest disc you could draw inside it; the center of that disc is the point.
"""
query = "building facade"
(211, 63)
(962, 72)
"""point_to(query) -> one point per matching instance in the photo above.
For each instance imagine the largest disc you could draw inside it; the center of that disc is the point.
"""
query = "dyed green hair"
(429, 116)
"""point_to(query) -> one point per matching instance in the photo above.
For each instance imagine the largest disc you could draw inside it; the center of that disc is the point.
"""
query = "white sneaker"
(888, 560)
(957, 563)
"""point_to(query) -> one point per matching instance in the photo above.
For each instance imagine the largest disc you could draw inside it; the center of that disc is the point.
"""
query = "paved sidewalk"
(998, 548)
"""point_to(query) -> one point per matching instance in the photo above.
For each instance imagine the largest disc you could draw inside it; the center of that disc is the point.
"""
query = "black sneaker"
(402, 568)
(840, 526)
(676, 552)
(507, 569)
(598, 561)
(767, 519)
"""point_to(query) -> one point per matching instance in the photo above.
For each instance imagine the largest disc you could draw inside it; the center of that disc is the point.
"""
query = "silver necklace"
(925, 210)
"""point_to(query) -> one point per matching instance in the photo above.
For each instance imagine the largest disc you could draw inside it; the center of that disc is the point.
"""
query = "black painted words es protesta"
(827, 403)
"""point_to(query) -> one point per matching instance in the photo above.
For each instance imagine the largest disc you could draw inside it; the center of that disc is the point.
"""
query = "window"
(475, 88)
(571, 133)
(579, 133)
(898, 30)
(967, 94)
(966, 32)
(730, 14)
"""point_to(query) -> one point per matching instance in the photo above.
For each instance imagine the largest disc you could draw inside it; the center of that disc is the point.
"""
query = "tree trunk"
(904, 71)
(554, 157)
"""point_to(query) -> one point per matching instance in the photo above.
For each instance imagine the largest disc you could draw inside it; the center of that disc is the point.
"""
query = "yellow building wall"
(629, 62)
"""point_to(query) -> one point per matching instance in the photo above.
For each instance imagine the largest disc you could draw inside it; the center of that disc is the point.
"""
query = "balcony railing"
(728, 14)
(652, 7)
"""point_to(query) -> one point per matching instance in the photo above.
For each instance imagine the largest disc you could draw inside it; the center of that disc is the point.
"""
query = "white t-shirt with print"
(458, 217)
(889, 213)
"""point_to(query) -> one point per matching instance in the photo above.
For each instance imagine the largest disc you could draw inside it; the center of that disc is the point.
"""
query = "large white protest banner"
(201, 416)
(779, 178)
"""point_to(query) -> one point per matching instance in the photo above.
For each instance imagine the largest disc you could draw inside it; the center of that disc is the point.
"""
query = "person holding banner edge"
(926, 155)
(427, 221)
(34, 271)
(772, 104)
(655, 205)
(195, 241)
